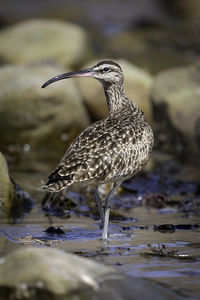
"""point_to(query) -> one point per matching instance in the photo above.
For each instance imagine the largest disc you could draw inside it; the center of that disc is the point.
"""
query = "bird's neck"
(117, 99)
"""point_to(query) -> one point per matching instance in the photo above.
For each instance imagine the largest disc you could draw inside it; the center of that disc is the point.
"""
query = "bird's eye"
(105, 69)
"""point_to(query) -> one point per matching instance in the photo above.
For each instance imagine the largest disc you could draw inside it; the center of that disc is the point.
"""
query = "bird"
(110, 150)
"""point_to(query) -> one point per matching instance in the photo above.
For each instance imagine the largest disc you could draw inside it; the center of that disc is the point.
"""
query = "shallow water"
(176, 264)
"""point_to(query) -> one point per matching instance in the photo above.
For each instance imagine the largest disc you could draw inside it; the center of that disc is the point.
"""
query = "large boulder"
(176, 101)
(14, 202)
(137, 86)
(7, 189)
(38, 273)
(38, 40)
(39, 118)
(32, 270)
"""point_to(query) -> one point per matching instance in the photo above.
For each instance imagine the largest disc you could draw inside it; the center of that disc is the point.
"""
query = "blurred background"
(156, 42)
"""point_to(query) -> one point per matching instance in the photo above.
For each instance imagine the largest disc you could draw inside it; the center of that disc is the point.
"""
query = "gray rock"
(14, 202)
(39, 118)
(176, 100)
(6, 189)
(40, 39)
(137, 86)
(49, 270)
(39, 273)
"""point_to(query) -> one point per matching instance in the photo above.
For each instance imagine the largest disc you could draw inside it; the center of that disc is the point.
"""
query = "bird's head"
(108, 72)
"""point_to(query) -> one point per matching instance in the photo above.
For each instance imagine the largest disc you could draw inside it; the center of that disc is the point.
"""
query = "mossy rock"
(32, 271)
(41, 273)
(14, 202)
(41, 40)
(176, 102)
(39, 118)
(7, 189)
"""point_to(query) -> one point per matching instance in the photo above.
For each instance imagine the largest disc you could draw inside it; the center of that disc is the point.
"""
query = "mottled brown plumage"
(110, 150)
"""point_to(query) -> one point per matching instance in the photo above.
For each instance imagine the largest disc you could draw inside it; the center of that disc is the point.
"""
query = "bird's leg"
(98, 201)
(107, 209)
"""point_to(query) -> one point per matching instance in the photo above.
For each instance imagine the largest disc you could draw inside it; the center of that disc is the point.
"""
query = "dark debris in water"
(159, 191)
(30, 240)
(58, 204)
(156, 200)
(150, 189)
(92, 253)
(54, 230)
(162, 250)
(156, 183)
(106, 251)
(187, 226)
(65, 203)
(190, 206)
(126, 228)
(23, 203)
(165, 228)
(170, 228)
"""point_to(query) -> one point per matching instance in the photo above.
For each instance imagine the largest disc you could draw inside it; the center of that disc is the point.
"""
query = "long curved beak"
(81, 73)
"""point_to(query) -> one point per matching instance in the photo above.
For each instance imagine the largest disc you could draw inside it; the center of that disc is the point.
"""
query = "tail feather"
(57, 185)
(57, 182)
(55, 176)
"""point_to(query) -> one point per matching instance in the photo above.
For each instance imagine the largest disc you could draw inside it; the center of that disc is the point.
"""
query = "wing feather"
(101, 152)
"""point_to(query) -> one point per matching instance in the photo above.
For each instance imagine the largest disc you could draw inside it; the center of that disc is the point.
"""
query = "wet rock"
(137, 86)
(32, 117)
(175, 97)
(31, 271)
(39, 273)
(7, 190)
(40, 40)
(22, 204)
(14, 202)
(161, 250)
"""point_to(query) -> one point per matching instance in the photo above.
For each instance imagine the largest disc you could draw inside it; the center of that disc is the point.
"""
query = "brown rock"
(40, 40)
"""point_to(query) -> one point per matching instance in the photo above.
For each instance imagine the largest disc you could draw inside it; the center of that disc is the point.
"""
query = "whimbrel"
(110, 150)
